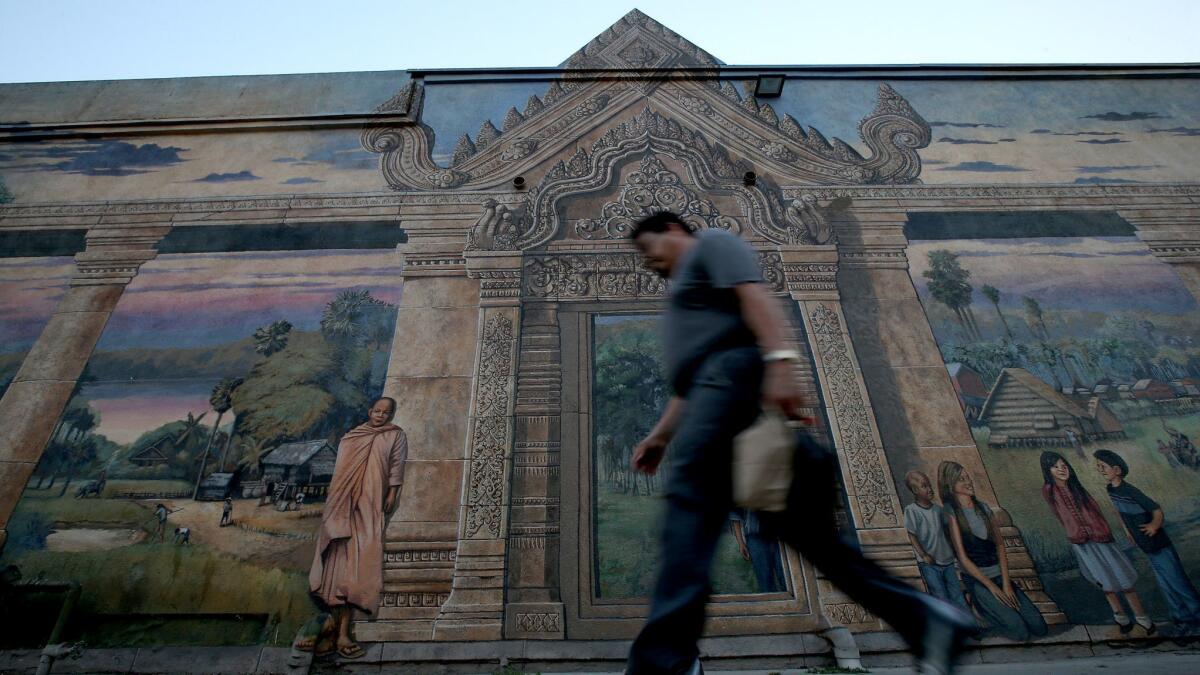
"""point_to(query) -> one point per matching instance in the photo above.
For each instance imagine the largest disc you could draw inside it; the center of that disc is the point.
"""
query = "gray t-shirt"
(703, 312)
(925, 525)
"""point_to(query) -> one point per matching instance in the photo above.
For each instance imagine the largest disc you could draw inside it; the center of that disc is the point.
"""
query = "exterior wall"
(199, 230)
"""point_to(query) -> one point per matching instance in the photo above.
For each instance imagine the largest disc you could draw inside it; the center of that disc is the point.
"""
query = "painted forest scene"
(1069, 347)
(629, 393)
(183, 485)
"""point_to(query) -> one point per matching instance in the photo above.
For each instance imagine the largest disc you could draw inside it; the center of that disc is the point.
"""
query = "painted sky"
(29, 290)
(1101, 274)
(191, 300)
(1055, 131)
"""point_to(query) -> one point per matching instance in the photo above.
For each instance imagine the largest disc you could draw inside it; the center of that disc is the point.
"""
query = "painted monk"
(347, 570)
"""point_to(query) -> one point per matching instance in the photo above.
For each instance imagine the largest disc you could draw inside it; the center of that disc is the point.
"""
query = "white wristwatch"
(781, 355)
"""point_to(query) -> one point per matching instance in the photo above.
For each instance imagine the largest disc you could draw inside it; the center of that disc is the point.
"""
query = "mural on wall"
(29, 290)
(179, 166)
(184, 485)
(629, 393)
(1077, 364)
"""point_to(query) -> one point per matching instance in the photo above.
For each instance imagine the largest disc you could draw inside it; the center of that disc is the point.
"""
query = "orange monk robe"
(348, 565)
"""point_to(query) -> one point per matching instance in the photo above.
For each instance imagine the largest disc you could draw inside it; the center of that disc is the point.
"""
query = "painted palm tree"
(355, 315)
(948, 285)
(272, 338)
(221, 401)
(993, 295)
(191, 427)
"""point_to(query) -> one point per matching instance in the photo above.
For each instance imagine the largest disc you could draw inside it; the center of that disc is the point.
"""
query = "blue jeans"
(1019, 625)
(768, 567)
(722, 402)
(1175, 585)
(942, 583)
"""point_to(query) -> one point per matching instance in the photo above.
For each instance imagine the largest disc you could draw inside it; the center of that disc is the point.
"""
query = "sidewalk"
(1183, 662)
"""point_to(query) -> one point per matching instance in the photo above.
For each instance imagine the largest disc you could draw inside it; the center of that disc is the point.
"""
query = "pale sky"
(52, 40)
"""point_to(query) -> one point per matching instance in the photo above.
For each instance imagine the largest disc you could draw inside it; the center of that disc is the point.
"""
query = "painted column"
(811, 274)
(535, 609)
(42, 387)
(919, 418)
(475, 608)
(1173, 235)
(430, 374)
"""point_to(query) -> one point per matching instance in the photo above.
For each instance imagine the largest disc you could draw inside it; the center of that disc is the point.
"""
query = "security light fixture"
(519, 182)
(749, 178)
(768, 86)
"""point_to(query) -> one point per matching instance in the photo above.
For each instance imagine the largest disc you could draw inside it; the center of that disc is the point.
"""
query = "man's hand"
(780, 390)
(1149, 529)
(649, 454)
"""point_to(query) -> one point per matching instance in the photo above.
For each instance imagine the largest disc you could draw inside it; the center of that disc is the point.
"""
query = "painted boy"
(935, 556)
(1144, 523)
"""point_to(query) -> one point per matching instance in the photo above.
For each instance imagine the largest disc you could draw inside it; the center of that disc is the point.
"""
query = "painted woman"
(975, 534)
(1100, 560)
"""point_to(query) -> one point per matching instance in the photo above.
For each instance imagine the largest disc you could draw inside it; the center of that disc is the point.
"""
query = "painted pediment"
(651, 73)
(638, 42)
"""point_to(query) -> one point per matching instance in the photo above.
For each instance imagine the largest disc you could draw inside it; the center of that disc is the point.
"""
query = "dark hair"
(1080, 493)
(948, 474)
(658, 223)
(1112, 459)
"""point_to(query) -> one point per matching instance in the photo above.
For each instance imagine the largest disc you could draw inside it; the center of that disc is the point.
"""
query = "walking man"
(725, 353)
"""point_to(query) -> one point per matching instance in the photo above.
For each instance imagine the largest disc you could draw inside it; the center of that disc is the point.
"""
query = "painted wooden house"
(301, 463)
(1024, 411)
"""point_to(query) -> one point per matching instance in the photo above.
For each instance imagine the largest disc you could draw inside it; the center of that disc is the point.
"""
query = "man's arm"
(649, 453)
(761, 313)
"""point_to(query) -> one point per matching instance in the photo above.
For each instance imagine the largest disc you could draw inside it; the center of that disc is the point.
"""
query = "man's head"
(382, 411)
(662, 238)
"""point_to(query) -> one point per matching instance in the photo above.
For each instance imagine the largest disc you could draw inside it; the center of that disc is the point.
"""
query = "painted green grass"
(1016, 476)
(118, 485)
(152, 578)
(627, 545)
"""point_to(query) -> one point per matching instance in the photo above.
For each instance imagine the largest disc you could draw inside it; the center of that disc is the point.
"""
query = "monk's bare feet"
(349, 649)
(316, 633)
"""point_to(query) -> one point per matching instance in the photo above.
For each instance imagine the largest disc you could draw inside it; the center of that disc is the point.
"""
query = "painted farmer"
(347, 570)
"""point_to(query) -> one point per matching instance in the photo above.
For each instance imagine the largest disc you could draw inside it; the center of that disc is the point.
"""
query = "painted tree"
(272, 338)
(221, 400)
(948, 285)
(1035, 317)
(5, 195)
(993, 295)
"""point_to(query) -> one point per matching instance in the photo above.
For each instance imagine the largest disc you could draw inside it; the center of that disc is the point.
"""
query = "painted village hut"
(305, 466)
(1022, 410)
(151, 455)
(972, 393)
(217, 486)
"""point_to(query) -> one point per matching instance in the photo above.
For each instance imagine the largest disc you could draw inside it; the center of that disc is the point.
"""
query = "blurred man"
(725, 352)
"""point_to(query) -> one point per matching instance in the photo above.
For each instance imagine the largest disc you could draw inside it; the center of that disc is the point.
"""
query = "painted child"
(1100, 560)
(1144, 523)
(973, 529)
(926, 530)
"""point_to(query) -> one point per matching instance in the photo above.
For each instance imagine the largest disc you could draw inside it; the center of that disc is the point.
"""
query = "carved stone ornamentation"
(845, 400)
(651, 189)
(497, 229)
(539, 622)
(492, 429)
(848, 613)
(806, 223)
(613, 275)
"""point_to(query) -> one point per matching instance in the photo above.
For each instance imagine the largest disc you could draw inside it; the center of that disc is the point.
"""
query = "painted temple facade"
(198, 272)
